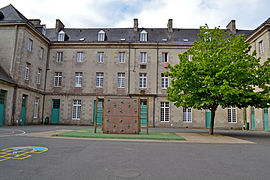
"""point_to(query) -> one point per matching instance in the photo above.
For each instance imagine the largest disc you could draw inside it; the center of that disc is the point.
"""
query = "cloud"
(151, 13)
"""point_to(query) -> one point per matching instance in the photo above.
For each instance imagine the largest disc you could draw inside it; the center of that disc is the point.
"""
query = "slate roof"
(11, 14)
(5, 77)
(265, 22)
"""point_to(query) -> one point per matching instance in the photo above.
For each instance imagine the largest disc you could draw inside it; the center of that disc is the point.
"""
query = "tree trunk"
(211, 130)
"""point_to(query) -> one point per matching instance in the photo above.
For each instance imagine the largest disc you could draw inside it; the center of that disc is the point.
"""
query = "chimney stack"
(35, 22)
(136, 24)
(170, 25)
(232, 26)
(59, 25)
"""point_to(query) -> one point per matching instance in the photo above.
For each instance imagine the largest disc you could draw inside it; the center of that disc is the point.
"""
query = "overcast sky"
(248, 14)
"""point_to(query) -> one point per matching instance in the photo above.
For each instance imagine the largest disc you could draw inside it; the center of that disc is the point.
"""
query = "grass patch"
(153, 135)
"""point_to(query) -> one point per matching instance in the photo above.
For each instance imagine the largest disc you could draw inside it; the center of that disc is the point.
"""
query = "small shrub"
(121, 120)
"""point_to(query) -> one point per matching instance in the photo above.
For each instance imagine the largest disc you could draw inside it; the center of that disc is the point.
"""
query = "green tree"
(222, 72)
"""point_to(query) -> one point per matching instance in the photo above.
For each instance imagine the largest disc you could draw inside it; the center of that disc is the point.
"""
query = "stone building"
(58, 73)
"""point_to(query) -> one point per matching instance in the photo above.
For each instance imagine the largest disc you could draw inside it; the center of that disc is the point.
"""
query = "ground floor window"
(164, 111)
(76, 111)
(36, 108)
(232, 114)
(187, 115)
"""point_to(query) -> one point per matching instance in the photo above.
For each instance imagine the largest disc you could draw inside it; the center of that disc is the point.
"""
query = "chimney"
(170, 25)
(136, 24)
(59, 25)
(231, 26)
(35, 22)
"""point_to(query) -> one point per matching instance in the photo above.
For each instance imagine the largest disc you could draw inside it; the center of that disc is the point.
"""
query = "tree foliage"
(222, 72)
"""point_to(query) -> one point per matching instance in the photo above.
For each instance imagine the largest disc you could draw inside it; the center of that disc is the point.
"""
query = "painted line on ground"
(22, 132)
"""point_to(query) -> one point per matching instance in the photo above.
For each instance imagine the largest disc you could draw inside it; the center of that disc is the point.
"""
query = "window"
(122, 57)
(38, 76)
(99, 79)
(61, 36)
(59, 57)
(76, 111)
(143, 80)
(121, 80)
(78, 79)
(30, 45)
(100, 57)
(36, 108)
(58, 79)
(143, 57)
(79, 56)
(41, 50)
(101, 35)
(26, 72)
(164, 111)
(261, 50)
(164, 81)
(43, 30)
(187, 115)
(232, 115)
(189, 58)
(143, 36)
(164, 57)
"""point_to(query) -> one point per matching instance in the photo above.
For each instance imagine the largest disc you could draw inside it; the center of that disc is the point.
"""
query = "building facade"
(58, 73)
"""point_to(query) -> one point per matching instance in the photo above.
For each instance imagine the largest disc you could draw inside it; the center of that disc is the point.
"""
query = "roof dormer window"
(61, 36)
(101, 35)
(143, 36)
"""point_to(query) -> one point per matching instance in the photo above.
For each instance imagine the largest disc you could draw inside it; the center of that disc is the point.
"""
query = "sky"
(248, 14)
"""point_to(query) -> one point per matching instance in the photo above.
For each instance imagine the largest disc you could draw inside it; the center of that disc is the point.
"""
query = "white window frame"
(27, 71)
(99, 79)
(41, 51)
(121, 78)
(164, 81)
(261, 50)
(122, 57)
(79, 56)
(38, 76)
(187, 115)
(101, 35)
(30, 45)
(143, 80)
(232, 115)
(58, 79)
(164, 111)
(36, 108)
(143, 57)
(76, 110)
(143, 36)
(100, 57)
(164, 57)
(189, 57)
(61, 36)
(59, 57)
(78, 79)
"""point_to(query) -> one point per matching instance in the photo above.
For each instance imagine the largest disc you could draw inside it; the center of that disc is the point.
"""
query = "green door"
(55, 111)
(252, 118)
(143, 114)
(207, 118)
(2, 106)
(23, 109)
(266, 122)
(99, 112)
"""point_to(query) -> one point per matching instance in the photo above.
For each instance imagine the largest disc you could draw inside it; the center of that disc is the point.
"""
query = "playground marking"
(11, 133)
(20, 152)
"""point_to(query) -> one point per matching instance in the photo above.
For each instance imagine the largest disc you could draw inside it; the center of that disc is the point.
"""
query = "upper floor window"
(164, 81)
(58, 79)
(61, 36)
(143, 36)
(122, 57)
(164, 57)
(38, 76)
(101, 35)
(261, 50)
(30, 45)
(143, 58)
(26, 72)
(78, 79)
(232, 114)
(143, 80)
(41, 51)
(79, 56)
(99, 79)
(100, 57)
(59, 57)
(121, 80)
